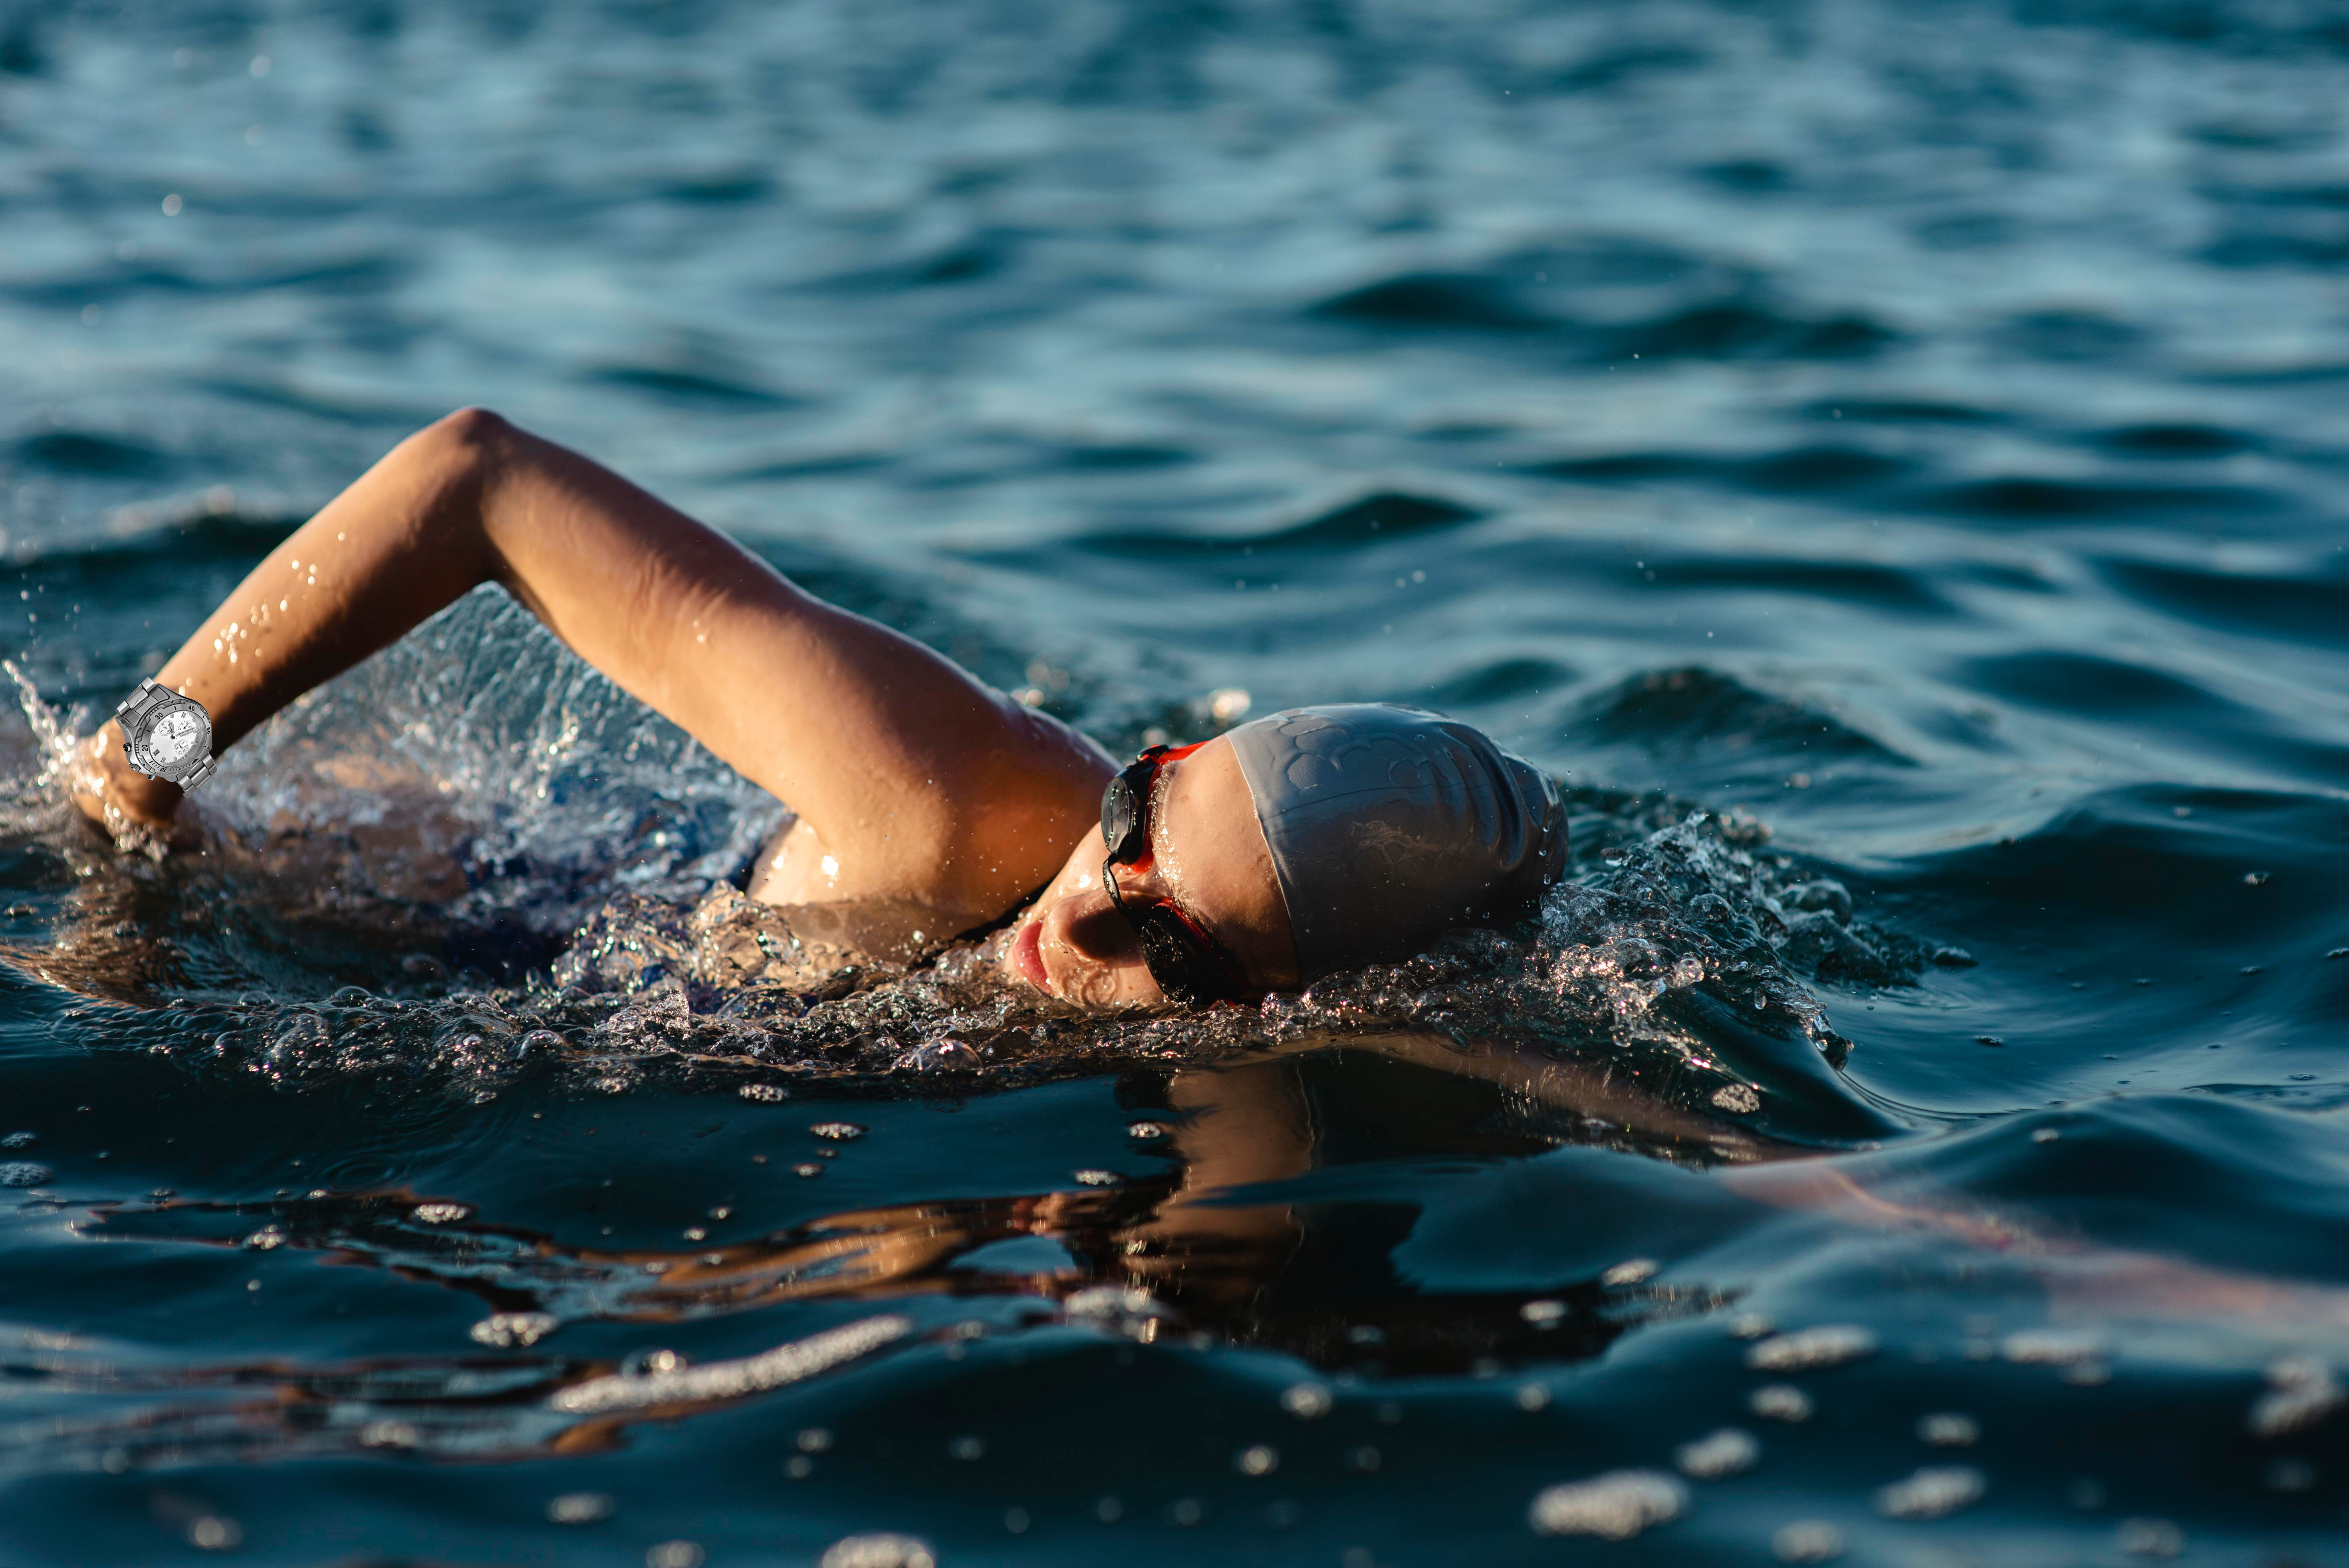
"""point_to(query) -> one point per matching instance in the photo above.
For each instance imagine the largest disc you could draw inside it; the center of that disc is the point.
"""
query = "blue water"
(1883, 460)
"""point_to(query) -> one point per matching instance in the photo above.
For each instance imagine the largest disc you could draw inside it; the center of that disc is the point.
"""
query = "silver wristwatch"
(166, 735)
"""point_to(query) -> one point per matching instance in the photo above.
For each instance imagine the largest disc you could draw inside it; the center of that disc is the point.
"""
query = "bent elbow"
(470, 427)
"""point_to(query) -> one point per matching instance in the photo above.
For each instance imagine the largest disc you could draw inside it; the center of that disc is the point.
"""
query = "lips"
(1027, 956)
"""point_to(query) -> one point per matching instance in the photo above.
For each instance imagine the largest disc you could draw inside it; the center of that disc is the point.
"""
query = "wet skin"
(1207, 853)
(918, 789)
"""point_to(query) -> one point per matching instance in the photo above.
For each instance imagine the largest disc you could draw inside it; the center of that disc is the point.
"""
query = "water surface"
(1883, 459)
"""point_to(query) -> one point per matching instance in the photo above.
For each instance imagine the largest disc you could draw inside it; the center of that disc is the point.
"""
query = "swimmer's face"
(1208, 856)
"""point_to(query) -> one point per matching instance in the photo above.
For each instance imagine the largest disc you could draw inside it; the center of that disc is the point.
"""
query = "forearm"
(402, 542)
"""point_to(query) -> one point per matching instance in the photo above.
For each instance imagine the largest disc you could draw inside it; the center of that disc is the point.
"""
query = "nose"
(1095, 931)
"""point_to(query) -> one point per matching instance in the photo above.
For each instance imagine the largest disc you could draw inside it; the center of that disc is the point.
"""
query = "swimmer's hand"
(131, 808)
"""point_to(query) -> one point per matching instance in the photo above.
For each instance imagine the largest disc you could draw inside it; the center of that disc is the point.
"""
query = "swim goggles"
(1189, 965)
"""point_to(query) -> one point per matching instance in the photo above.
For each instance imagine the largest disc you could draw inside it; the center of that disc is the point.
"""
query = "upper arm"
(920, 779)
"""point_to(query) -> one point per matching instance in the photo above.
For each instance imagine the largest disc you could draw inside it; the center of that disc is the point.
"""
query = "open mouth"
(1027, 956)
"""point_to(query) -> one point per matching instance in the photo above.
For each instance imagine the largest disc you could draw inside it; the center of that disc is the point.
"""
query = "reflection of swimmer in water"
(1291, 847)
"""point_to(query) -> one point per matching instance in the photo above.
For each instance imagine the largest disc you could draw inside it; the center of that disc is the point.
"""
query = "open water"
(1885, 459)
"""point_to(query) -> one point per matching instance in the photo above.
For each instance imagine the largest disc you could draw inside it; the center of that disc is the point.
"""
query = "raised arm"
(912, 780)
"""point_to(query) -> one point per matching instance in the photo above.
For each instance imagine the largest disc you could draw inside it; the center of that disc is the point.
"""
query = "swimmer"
(1288, 848)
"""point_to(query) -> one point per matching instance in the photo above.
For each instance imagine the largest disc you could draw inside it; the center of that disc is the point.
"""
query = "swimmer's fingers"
(129, 807)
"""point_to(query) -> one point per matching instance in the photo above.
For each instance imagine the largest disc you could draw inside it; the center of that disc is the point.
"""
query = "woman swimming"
(1293, 846)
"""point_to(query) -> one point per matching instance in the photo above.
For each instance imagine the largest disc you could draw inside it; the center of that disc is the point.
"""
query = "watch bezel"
(142, 756)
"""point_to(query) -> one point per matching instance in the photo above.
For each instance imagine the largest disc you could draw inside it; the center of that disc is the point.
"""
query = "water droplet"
(1738, 1099)
(267, 1239)
(675, 1554)
(2290, 1475)
(1931, 1492)
(2044, 1135)
(1096, 1178)
(2149, 1538)
(809, 1168)
(1307, 1401)
(1543, 1314)
(212, 1532)
(967, 1448)
(2051, 1347)
(838, 1132)
(1186, 1512)
(1365, 1458)
(1807, 1540)
(1780, 1402)
(1145, 1131)
(1615, 1506)
(765, 1093)
(1109, 1510)
(506, 1330)
(578, 1508)
(20, 1140)
(1015, 1519)
(1533, 1397)
(2301, 1391)
(814, 1439)
(1635, 1272)
(1751, 1325)
(1947, 1429)
(439, 1213)
(1726, 1452)
(1829, 1344)
(1256, 1459)
(24, 1173)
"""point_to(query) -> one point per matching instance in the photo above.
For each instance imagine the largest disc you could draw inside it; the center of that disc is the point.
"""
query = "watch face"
(176, 737)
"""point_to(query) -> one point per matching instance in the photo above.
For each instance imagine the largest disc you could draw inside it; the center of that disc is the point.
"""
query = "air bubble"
(1096, 1178)
(440, 1213)
(837, 1132)
(1738, 1099)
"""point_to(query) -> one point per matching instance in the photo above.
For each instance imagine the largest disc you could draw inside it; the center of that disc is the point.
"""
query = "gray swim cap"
(1389, 825)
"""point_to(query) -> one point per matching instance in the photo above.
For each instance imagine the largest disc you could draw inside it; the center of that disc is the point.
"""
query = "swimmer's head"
(1312, 841)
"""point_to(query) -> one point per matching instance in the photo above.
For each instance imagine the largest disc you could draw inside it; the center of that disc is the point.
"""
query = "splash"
(473, 860)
